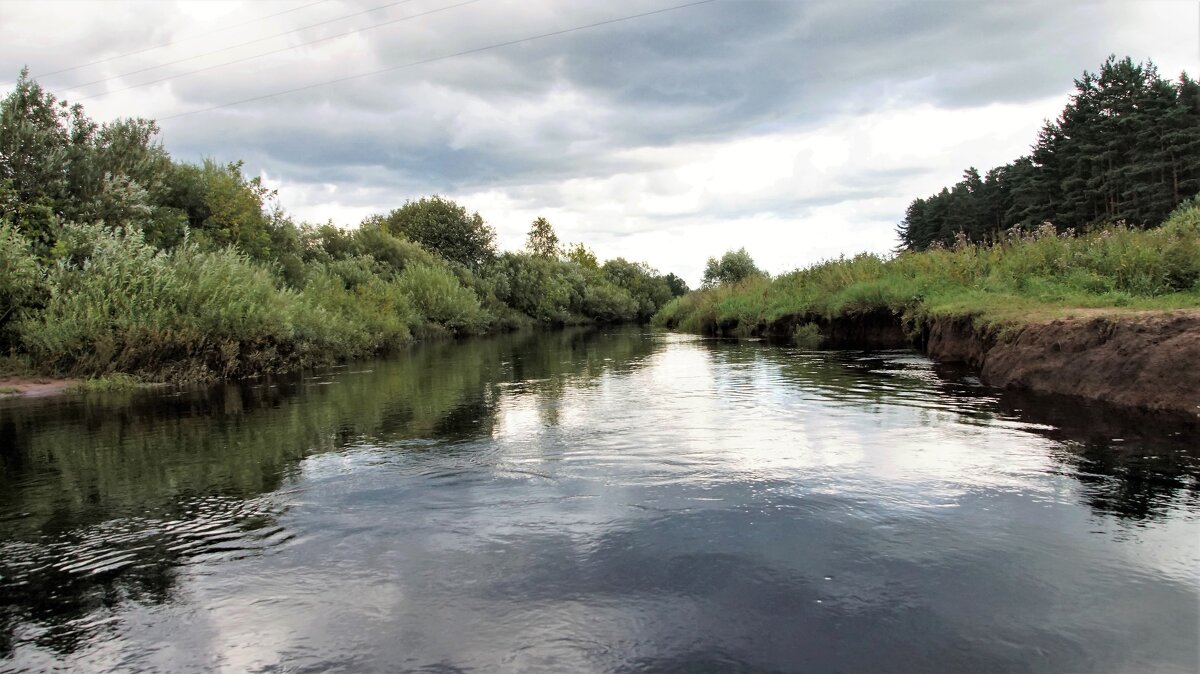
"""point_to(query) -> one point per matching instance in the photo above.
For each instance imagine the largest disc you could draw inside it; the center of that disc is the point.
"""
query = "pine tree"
(1125, 148)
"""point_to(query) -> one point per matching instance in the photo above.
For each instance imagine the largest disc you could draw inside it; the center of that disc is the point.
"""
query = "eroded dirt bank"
(1148, 361)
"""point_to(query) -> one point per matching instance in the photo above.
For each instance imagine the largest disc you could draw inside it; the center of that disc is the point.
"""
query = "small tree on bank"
(732, 267)
(542, 241)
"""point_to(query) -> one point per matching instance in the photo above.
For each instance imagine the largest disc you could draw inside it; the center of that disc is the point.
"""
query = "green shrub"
(126, 306)
(440, 299)
(117, 382)
(607, 303)
(20, 278)
(371, 317)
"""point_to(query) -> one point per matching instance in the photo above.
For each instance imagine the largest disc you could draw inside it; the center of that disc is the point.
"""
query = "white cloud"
(776, 194)
(798, 130)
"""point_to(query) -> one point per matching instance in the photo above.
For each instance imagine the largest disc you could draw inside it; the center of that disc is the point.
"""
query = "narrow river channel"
(598, 501)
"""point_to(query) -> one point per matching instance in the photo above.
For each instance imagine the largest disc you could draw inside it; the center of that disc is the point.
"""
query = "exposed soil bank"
(1148, 361)
(33, 387)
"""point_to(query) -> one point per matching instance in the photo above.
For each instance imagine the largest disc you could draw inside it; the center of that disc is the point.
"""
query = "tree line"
(1126, 148)
(116, 257)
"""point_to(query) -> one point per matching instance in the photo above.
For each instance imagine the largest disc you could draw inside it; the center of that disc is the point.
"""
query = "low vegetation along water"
(598, 501)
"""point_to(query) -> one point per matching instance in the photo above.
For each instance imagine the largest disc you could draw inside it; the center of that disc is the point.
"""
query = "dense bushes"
(115, 303)
(105, 300)
(1025, 275)
(20, 278)
(441, 300)
(114, 258)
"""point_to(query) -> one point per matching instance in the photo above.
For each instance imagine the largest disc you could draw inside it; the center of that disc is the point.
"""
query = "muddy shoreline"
(33, 386)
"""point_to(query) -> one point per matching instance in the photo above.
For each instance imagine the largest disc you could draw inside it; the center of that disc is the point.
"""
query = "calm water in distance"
(605, 501)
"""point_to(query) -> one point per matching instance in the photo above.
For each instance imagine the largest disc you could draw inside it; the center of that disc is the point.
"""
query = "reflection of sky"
(720, 505)
(709, 421)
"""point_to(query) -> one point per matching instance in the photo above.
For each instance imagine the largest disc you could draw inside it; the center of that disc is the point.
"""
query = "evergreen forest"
(1126, 149)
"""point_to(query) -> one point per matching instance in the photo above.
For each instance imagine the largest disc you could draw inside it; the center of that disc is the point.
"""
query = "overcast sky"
(798, 129)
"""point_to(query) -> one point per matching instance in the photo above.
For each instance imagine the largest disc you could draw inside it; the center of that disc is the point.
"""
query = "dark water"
(609, 502)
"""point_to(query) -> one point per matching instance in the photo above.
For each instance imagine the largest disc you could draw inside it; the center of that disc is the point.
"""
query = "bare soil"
(32, 386)
(1144, 360)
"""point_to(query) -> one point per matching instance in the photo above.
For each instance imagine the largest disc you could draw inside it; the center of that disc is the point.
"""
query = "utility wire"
(256, 41)
(240, 44)
(185, 39)
(411, 64)
(275, 51)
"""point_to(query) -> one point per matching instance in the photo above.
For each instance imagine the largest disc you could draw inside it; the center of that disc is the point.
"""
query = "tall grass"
(115, 303)
(1027, 275)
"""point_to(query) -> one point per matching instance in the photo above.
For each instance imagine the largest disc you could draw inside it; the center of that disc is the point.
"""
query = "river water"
(606, 501)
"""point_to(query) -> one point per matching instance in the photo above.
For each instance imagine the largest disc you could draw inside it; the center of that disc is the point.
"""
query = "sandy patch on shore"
(33, 387)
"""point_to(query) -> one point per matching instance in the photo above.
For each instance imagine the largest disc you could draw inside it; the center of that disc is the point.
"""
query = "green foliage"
(648, 289)
(1022, 277)
(110, 383)
(20, 278)
(445, 228)
(582, 256)
(608, 303)
(564, 292)
(807, 336)
(350, 321)
(395, 254)
(542, 288)
(222, 206)
(442, 300)
(542, 241)
(1125, 148)
(114, 259)
(733, 267)
(129, 307)
(58, 165)
(678, 286)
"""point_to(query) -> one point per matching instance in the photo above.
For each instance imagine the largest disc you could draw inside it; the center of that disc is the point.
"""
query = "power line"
(241, 44)
(275, 51)
(411, 64)
(185, 39)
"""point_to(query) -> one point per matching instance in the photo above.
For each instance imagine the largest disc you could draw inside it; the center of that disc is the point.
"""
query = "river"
(598, 501)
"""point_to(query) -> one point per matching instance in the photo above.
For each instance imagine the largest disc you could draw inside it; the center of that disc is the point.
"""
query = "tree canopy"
(732, 267)
(1125, 148)
(116, 258)
(445, 228)
(542, 241)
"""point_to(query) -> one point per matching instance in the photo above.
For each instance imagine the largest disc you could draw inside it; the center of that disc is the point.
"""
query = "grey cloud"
(489, 121)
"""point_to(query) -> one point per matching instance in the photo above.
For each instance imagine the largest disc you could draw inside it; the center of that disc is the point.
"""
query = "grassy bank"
(106, 301)
(1026, 276)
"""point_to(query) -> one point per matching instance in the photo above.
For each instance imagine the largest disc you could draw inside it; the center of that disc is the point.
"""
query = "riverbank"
(1145, 360)
(1112, 315)
(13, 386)
(1136, 359)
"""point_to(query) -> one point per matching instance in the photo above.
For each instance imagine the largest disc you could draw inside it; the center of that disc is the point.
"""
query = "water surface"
(612, 501)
